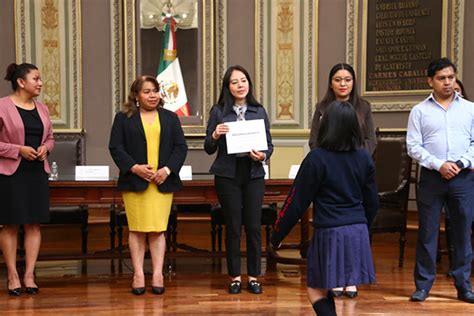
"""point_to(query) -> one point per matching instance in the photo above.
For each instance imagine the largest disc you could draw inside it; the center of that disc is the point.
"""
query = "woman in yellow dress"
(148, 145)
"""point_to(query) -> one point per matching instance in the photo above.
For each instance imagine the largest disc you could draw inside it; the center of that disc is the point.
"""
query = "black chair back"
(393, 173)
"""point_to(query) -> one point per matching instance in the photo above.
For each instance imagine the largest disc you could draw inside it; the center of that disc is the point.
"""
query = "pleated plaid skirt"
(340, 256)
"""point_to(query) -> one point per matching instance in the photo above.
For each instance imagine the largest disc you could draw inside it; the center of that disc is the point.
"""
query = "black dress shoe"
(350, 294)
(157, 290)
(32, 290)
(419, 296)
(14, 292)
(234, 287)
(254, 287)
(336, 293)
(138, 290)
(466, 296)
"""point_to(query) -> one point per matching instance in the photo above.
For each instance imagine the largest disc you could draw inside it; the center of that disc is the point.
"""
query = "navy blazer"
(224, 164)
(127, 147)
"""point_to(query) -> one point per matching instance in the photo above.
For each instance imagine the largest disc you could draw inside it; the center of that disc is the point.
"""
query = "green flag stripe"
(165, 62)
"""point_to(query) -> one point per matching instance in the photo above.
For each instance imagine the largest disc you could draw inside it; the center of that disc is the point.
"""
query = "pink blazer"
(12, 135)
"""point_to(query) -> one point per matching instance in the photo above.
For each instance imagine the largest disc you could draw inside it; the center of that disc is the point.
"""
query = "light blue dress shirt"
(436, 135)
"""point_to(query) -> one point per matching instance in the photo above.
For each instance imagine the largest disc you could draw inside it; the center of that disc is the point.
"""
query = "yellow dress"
(148, 211)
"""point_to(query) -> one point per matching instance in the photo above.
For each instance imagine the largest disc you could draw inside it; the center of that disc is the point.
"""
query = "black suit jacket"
(127, 147)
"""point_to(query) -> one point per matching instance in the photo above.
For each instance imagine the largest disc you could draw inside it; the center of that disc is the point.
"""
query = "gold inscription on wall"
(284, 59)
(50, 71)
(403, 36)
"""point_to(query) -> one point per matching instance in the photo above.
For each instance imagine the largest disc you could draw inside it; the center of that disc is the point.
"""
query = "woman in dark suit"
(342, 86)
(148, 146)
(26, 138)
(239, 178)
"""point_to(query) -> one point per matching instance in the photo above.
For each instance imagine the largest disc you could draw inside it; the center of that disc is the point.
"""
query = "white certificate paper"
(92, 173)
(243, 136)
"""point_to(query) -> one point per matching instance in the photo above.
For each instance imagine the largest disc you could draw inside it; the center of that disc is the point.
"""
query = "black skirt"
(24, 196)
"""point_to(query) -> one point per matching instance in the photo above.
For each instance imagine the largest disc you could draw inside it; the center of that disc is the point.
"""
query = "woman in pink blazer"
(26, 138)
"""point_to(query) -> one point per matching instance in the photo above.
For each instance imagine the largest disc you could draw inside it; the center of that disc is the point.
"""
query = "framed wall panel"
(399, 39)
(48, 34)
(449, 15)
(194, 125)
(286, 63)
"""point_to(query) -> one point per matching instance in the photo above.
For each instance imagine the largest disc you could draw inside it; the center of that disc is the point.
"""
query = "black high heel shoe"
(14, 292)
(336, 293)
(350, 294)
(32, 290)
(157, 290)
(138, 290)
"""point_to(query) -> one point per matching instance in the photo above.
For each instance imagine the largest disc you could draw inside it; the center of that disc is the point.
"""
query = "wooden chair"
(69, 151)
(393, 174)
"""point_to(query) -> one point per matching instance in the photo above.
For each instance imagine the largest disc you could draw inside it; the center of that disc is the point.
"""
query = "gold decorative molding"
(458, 34)
(286, 60)
(389, 129)
(48, 34)
(194, 142)
(68, 131)
(208, 97)
(352, 32)
(259, 49)
(444, 29)
(51, 73)
(221, 40)
(393, 107)
(130, 31)
(116, 56)
(310, 88)
(290, 133)
(275, 132)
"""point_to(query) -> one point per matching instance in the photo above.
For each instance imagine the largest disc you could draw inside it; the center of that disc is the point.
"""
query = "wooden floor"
(196, 285)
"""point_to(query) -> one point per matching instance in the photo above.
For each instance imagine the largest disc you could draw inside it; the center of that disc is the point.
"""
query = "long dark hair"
(130, 107)
(15, 72)
(330, 96)
(339, 129)
(226, 100)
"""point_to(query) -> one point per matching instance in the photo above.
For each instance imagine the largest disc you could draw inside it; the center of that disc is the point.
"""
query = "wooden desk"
(68, 192)
(194, 192)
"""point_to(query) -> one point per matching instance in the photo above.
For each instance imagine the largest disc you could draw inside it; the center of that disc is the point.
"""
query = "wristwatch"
(460, 164)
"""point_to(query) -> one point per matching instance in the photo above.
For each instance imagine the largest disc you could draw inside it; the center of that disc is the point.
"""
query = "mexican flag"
(169, 76)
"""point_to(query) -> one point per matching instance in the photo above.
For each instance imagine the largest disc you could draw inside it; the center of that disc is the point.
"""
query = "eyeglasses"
(339, 80)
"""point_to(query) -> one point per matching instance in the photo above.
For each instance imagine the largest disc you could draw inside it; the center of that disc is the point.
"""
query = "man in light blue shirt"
(440, 137)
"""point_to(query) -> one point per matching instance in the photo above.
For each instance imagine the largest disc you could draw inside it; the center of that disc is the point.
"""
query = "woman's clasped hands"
(146, 172)
(30, 154)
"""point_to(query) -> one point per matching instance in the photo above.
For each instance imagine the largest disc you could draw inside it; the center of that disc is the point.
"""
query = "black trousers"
(458, 195)
(241, 200)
